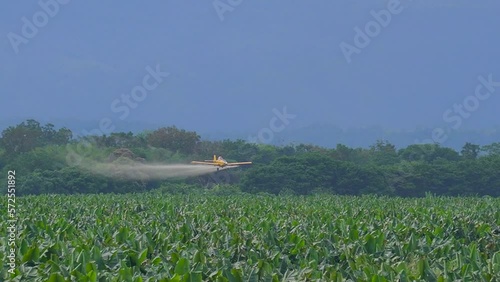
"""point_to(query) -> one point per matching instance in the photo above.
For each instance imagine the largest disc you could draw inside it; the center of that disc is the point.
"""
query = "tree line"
(44, 156)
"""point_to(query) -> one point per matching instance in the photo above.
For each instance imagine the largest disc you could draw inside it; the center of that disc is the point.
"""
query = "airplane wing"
(240, 163)
(230, 166)
(203, 163)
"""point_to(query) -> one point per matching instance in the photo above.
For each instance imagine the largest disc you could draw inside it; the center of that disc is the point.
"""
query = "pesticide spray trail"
(140, 171)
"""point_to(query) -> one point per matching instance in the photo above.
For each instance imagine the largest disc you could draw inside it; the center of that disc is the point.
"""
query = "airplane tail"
(213, 160)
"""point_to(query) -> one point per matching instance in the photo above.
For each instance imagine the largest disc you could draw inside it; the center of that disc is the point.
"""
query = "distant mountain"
(330, 135)
(325, 135)
(86, 127)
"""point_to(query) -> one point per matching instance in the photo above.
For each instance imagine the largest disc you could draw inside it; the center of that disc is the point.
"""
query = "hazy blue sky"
(227, 75)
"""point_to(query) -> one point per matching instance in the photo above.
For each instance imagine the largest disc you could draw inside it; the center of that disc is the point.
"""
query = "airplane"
(220, 163)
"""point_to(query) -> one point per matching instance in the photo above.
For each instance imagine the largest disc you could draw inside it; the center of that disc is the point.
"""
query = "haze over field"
(140, 171)
(225, 72)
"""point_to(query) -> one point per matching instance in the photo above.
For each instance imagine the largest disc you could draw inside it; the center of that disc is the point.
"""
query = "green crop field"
(156, 237)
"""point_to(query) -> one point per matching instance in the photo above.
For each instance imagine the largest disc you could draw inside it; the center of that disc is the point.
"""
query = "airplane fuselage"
(220, 162)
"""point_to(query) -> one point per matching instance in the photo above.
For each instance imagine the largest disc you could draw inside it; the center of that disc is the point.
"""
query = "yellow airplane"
(220, 162)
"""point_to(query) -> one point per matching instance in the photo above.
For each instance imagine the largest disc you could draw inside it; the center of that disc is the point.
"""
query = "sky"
(236, 66)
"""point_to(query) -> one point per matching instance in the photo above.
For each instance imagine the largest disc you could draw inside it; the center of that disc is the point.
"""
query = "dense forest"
(46, 160)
